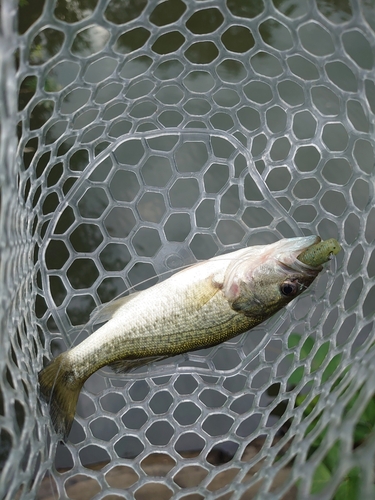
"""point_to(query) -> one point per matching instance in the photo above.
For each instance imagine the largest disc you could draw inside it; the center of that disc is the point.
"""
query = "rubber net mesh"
(147, 136)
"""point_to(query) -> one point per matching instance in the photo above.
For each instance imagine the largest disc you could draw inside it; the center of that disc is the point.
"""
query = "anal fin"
(126, 365)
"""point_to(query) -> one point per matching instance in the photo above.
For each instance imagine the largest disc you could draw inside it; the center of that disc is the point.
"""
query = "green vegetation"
(350, 487)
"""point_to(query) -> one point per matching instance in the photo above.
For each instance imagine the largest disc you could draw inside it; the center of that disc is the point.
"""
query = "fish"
(198, 307)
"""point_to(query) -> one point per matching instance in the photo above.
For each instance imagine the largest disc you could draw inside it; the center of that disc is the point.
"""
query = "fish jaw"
(267, 278)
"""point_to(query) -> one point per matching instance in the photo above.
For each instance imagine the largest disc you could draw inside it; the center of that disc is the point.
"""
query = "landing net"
(141, 136)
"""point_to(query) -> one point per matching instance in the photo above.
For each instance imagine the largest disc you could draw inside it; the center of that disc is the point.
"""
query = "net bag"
(138, 137)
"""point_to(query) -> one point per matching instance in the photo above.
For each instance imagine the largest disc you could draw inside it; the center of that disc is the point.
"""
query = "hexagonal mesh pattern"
(151, 135)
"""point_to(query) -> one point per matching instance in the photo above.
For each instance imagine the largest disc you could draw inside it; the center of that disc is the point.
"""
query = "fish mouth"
(288, 255)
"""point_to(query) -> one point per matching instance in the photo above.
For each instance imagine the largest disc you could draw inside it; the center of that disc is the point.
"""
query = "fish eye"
(288, 288)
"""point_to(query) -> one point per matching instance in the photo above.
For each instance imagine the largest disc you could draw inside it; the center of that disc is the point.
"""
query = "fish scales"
(168, 329)
(198, 307)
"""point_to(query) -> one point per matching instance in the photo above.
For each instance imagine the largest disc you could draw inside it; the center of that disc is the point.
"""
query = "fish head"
(267, 278)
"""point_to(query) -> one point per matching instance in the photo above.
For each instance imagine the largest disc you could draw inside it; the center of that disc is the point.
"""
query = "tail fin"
(60, 389)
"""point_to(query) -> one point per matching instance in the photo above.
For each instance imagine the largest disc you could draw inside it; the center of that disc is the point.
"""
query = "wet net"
(141, 136)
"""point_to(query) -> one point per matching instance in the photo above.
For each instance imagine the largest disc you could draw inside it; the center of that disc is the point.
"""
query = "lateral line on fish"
(96, 312)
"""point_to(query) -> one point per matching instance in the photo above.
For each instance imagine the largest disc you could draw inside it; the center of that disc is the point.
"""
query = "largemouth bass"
(198, 307)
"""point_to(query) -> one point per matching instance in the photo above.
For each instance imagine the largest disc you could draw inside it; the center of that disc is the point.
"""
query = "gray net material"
(151, 135)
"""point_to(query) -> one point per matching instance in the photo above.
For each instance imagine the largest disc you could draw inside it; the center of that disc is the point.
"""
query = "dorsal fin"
(105, 312)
